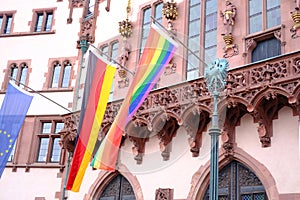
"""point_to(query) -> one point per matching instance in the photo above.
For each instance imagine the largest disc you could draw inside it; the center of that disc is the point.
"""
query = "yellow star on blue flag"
(12, 114)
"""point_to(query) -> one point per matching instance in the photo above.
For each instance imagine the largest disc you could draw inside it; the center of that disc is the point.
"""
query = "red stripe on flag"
(88, 119)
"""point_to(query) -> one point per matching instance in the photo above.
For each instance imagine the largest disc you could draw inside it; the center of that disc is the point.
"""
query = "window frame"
(45, 13)
(251, 41)
(51, 136)
(64, 62)
(4, 23)
(264, 18)
(19, 64)
(199, 37)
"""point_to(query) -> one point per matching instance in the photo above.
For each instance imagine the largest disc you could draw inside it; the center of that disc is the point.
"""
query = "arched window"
(23, 75)
(61, 74)
(118, 189)
(14, 71)
(66, 75)
(19, 73)
(236, 181)
(55, 76)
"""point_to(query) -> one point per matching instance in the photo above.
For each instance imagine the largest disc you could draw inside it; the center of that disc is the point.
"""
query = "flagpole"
(40, 94)
(125, 68)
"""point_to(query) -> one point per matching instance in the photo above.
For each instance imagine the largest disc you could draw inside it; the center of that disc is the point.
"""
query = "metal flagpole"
(175, 38)
(40, 94)
(132, 73)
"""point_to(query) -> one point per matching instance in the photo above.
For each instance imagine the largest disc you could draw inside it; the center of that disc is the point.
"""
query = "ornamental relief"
(78, 3)
(260, 90)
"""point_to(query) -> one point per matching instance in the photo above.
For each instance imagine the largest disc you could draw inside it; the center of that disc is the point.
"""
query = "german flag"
(97, 87)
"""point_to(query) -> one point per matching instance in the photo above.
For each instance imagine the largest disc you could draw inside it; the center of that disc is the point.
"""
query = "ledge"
(21, 34)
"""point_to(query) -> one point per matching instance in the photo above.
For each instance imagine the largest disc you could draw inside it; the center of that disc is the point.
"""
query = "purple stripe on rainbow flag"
(145, 87)
(158, 51)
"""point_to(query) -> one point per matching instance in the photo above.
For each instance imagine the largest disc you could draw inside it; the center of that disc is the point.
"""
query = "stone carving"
(164, 194)
(228, 16)
(68, 134)
(166, 135)
(78, 3)
(260, 90)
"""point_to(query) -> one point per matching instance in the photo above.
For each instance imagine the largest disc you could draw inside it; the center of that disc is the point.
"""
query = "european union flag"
(12, 114)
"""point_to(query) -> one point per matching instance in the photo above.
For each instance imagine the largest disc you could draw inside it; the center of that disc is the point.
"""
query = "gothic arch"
(104, 178)
(200, 180)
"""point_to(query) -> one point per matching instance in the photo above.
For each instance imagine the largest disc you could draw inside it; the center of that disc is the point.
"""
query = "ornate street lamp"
(215, 76)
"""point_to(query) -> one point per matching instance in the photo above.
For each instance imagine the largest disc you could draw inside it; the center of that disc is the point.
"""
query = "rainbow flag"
(97, 87)
(158, 51)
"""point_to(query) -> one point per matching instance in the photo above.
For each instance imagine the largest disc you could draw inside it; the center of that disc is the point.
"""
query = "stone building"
(165, 153)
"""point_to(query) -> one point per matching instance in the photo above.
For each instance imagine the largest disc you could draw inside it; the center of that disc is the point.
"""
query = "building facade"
(165, 153)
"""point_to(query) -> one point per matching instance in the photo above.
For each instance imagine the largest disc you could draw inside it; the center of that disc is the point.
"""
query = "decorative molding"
(259, 89)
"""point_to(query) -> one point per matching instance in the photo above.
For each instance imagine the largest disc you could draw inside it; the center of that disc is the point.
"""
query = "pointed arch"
(105, 177)
(200, 180)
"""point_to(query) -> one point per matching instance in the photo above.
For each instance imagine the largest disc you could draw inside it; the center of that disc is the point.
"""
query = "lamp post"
(215, 76)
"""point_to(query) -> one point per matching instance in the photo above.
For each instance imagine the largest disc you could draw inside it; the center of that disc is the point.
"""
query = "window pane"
(1, 21)
(114, 50)
(42, 156)
(46, 127)
(66, 76)
(247, 197)
(259, 196)
(55, 77)
(194, 28)
(211, 6)
(255, 23)
(193, 2)
(273, 17)
(39, 22)
(24, 72)
(266, 49)
(255, 16)
(194, 12)
(272, 4)
(210, 54)
(12, 153)
(8, 24)
(193, 62)
(211, 22)
(48, 22)
(14, 71)
(194, 43)
(104, 50)
(147, 18)
(255, 6)
(273, 13)
(58, 127)
(192, 74)
(158, 12)
(210, 39)
(55, 155)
